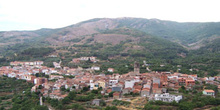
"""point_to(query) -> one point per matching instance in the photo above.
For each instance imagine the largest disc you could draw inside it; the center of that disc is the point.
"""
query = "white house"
(113, 82)
(45, 70)
(172, 76)
(57, 65)
(209, 92)
(194, 77)
(12, 75)
(211, 78)
(166, 97)
(84, 58)
(95, 68)
(38, 63)
(130, 83)
(110, 69)
(91, 84)
(53, 71)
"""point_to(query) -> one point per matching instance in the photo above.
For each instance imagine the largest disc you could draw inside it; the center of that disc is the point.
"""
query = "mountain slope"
(190, 35)
(121, 40)
(185, 33)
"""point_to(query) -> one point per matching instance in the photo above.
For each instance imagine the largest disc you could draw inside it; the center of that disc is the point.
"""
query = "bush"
(120, 102)
(215, 108)
(102, 103)
(84, 98)
(186, 106)
(66, 100)
(2, 108)
(110, 94)
(95, 91)
(37, 52)
(71, 95)
(151, 107)
(77, 107)
(39, 107)
(111, 108)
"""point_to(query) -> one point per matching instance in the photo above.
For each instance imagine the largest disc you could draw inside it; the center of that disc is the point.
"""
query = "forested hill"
(194, 45)
(189, 35)
(185, 33)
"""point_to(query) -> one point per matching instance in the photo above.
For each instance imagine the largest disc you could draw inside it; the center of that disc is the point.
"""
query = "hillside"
(189, 35)
(122, 41)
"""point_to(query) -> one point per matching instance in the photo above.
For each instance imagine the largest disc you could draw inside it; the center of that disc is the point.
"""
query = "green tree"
(111, 94)
(60, 107)
(186, 106)
(66, 100)
(72, 95)
(151, 107)
(63, 88)
(77, 107)
(95, 91)
(39, 107)
(85, 89)
(2, 108)
(111, 108)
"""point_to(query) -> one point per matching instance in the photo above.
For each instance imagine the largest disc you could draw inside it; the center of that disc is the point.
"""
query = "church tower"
(136, 68)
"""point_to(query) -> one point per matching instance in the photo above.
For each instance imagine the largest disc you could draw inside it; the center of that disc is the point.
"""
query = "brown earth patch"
(111, 38)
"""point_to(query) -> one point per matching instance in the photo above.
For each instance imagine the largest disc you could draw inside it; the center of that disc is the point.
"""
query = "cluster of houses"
(92, 59)
(152, 85)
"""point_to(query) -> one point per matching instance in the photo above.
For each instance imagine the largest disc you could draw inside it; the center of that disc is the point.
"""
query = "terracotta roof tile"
(209, 90)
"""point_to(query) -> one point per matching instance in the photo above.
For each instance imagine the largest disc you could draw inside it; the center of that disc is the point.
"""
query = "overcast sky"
(36, 14)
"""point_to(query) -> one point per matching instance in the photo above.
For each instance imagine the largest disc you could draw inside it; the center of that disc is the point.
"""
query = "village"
(151, 85)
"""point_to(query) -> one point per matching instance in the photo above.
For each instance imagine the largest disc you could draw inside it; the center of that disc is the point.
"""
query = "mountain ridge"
(120, 42)
(161, 32)
(190, 35)
(183, 33)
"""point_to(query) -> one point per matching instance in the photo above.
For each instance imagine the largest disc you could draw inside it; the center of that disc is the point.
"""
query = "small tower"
(136, 68)
(41, 101)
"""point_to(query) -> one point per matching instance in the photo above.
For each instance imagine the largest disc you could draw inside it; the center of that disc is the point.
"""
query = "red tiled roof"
(146, 89)
(116, 94)
(109, 90)
(137, 87)
(129, 88)
(209, 90)
(136, 91)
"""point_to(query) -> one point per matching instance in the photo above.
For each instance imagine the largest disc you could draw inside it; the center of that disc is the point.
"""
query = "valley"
(111, 64)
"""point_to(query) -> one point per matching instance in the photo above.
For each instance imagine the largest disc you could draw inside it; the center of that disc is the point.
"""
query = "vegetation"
(27, 101)
(185, 33)
(15, 95)
(41, 75)
(76, 107)
(12, 85)
(74, 40)
(120, 102)
(151, 107)
(76, 97)
(37, 52)
(149, 41)
(111, 108)
(189, 102)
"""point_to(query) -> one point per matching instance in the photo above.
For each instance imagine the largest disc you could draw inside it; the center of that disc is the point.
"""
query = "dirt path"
(136, 103)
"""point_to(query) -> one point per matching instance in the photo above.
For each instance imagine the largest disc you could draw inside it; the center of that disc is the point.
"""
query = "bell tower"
(136, 68)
